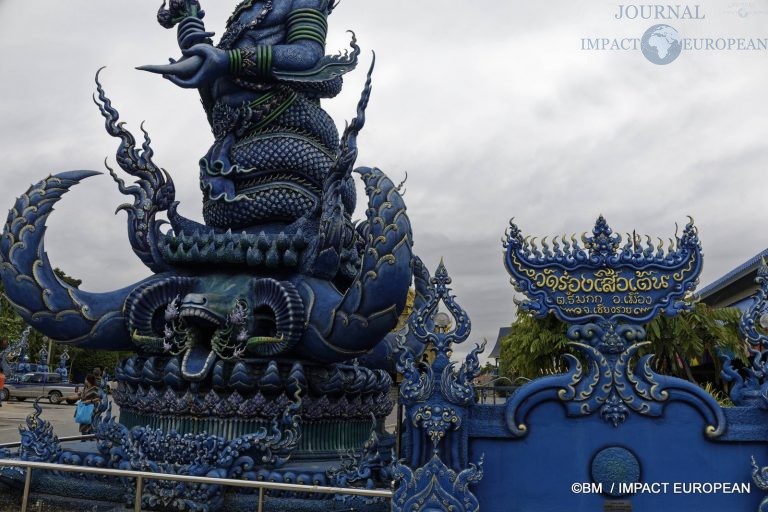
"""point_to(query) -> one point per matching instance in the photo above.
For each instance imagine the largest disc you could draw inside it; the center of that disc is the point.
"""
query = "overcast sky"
(490, 106)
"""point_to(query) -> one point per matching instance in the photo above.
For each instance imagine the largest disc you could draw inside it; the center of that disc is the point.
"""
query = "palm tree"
(535, 346)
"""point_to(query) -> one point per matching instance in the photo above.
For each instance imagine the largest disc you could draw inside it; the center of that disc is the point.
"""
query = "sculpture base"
(320, 440)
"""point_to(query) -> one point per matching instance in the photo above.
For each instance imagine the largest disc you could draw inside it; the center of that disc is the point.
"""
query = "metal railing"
(140, 476)
(494, 394)
(61, 440)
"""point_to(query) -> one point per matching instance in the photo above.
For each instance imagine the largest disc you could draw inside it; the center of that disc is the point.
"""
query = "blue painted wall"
(535, 473)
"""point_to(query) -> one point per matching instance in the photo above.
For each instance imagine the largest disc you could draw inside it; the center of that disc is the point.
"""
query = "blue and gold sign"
(604, 277)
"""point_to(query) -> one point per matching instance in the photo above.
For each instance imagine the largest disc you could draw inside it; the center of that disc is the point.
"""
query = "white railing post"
(137, 498)
(27, 483)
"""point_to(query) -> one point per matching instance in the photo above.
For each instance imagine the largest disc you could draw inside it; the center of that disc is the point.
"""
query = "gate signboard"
(604, 278)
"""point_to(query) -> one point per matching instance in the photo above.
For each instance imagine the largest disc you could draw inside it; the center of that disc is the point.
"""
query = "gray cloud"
(490, 107)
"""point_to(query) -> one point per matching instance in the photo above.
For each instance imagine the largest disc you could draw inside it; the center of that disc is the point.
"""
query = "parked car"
(73, 396)
(33, 385)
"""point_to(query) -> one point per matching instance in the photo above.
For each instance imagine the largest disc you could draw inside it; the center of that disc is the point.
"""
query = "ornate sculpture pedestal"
(338, 404)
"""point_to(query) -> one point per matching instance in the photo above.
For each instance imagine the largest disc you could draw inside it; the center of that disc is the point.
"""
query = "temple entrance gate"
(608, 434)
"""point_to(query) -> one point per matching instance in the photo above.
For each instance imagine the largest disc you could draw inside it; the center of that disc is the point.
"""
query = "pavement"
(13, 413)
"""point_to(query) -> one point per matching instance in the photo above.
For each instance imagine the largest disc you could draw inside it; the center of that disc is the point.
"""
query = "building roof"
(503, 333)
(739, 272)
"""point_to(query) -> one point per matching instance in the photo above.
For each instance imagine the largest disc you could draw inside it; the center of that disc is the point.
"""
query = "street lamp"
(764, 320)
(442, 321)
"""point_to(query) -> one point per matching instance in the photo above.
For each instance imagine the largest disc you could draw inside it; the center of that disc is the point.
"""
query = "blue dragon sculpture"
(309, 284)
(279, 300)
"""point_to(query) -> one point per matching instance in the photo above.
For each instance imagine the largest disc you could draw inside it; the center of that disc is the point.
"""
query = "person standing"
(90, 395)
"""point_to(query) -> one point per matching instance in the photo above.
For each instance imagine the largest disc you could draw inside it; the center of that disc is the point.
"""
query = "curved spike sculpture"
(364, 311)
(91, 320)
(385, 355)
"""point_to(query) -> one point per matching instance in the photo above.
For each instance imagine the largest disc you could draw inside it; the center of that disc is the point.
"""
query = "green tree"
(71, 281)
(488, 368)
(535, 346)
(11, 324)
(83, 361)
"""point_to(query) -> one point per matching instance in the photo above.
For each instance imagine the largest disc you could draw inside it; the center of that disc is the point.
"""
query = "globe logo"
(661, 44)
